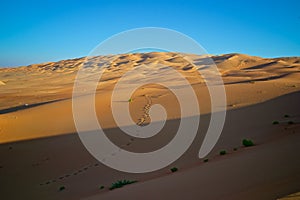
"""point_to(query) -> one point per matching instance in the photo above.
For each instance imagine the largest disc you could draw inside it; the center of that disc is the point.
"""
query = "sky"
(42, 31)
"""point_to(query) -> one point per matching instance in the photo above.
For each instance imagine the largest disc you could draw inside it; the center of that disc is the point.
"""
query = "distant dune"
(40, 150)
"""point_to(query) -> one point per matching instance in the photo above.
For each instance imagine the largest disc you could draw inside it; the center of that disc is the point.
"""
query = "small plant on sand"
(247, 143)
(223, 152)
(286, 116)
(205, 160)
(120, 184)
(174, 169)
(61, 188)
(130, 100)
(290, 122)
(235, 149)
(101, 187)
(275, 122)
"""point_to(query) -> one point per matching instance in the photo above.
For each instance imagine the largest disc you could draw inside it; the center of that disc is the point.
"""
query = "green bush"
(174, 169)
(235, 149)
(247, 143)
(120, 184)
(286, 116)
(61, 188)
(223, 152)
(290, 122)
(275, 122)
(205, 160)
(101, 187)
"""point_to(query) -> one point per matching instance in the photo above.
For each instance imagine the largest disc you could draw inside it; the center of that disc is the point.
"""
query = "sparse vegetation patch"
(120, 184)
(247, 143)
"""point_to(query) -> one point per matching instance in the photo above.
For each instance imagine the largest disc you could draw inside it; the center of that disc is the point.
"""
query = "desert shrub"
(120, 184)
(247, 143)
(290, 122)
(61, 188)
(205, 160)
(223, 152)
(174, 169)
(235, 149)
(130, 100)
(286, 116)
(101, 187)
(275, 122)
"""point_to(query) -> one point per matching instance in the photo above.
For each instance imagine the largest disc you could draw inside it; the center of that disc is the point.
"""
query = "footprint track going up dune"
(141, 122)
(69, 175)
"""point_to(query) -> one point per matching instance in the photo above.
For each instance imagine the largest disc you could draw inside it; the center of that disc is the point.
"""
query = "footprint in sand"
(142, 120)
(70, 175)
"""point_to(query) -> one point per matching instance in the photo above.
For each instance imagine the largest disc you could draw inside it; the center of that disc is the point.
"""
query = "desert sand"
(41, 152)
(294, 196)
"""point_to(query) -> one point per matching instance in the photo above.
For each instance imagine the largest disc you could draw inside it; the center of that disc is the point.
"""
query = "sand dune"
(40, 150)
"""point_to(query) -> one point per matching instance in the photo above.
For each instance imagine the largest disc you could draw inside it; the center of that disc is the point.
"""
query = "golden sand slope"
(54, 81)
(35, 96)
(35, 103)
(295, 196)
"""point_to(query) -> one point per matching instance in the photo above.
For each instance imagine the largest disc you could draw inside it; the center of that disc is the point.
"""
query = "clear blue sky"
(40, 31)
